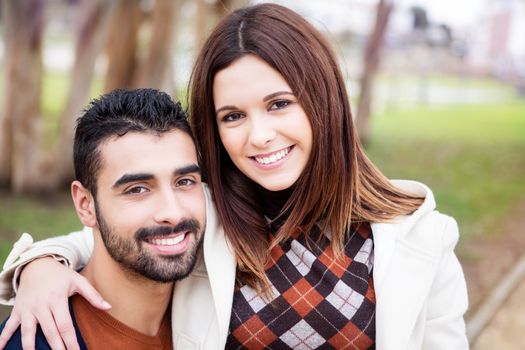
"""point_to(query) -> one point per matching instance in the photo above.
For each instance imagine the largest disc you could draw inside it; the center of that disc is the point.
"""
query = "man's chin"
(167, 268)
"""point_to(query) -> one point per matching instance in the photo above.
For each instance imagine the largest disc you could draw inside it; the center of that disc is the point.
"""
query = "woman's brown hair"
(339, 185)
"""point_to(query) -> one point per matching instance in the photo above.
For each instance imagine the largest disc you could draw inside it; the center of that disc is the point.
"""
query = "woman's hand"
(42, 297)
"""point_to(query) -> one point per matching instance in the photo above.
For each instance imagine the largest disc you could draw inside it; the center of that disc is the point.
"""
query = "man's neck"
(136, 301)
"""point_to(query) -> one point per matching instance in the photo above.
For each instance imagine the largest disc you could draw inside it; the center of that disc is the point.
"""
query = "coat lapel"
(221, 265)
(402, 277)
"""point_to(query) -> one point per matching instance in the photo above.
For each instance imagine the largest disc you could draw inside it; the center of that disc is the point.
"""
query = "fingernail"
(106, 305)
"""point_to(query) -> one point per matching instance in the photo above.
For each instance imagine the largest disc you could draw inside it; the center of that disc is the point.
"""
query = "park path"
(506, 330)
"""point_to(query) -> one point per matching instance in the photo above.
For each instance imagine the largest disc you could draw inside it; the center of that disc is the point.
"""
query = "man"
(138, 186)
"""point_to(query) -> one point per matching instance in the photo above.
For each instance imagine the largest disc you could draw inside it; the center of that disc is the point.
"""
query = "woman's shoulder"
(426, 227)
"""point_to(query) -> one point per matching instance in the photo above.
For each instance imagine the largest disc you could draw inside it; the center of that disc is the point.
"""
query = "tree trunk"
(224, 7)
(207, 15)
(23, 20)
(371, 64)
(6, 139)
(92, 34)
(153, 71)
(200, 24)
(122, 45)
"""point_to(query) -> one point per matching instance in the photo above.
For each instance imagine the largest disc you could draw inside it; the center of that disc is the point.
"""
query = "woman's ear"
(84, 204)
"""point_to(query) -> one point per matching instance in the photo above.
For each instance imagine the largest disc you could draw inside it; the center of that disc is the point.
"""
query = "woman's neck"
(272, 202)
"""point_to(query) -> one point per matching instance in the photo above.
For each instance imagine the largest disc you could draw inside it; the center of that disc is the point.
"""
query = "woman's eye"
(232, 117)
(136, 190)
(280, 104)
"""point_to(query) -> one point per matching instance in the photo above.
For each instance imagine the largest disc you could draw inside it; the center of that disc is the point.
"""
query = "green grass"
(473, 157)
(39, 216)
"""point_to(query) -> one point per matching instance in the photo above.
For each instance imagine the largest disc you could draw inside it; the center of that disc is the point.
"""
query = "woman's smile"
(272, 158)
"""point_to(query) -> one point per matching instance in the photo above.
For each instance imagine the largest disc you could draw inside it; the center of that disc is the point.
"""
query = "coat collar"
(403, 272)
(387, 234)
(219, 259)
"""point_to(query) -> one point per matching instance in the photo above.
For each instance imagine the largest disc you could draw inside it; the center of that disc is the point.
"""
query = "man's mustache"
(160, 231)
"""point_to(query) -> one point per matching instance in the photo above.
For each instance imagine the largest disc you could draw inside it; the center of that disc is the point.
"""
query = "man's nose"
(169, 209)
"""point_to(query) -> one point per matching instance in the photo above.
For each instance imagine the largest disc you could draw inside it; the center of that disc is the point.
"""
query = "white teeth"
(167, 241)
(273, 158)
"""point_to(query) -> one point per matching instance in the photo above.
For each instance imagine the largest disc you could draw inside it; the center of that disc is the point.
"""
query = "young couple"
(315, 247)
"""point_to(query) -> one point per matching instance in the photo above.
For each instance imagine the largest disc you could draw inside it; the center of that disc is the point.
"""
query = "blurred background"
(437, 91)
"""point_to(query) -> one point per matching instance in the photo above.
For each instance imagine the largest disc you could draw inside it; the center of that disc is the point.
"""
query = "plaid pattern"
(316, 302)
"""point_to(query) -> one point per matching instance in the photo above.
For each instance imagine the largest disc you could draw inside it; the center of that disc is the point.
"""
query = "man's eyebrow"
(127, 178)
(193, 168)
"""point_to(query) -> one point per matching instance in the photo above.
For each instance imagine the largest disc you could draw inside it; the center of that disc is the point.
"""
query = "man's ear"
(84, 204)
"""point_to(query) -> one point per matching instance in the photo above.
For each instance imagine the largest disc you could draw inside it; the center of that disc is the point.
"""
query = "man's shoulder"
(15, 343)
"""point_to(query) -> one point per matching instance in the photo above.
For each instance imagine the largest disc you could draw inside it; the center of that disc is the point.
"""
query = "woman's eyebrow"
(266, 98)
(223, 108)
(275, 94)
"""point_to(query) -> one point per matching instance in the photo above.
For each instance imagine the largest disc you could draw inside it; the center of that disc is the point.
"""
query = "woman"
(328, 252)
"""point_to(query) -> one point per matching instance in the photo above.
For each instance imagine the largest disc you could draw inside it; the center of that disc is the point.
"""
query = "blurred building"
(497, 44)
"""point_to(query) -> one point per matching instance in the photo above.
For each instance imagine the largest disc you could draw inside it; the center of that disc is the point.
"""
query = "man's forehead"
(147, 136)
(147, 153)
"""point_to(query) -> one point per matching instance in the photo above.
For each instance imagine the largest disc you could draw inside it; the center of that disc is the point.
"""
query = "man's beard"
(130, 252)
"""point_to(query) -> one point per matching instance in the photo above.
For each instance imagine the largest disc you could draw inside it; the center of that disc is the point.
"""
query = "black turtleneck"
(272, 202)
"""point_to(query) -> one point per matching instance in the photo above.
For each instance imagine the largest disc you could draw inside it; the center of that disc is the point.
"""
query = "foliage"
(42, 217)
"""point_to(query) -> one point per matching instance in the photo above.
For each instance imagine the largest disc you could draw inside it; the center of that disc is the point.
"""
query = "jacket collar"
(386, 234)
(403, 272)
(220, 263)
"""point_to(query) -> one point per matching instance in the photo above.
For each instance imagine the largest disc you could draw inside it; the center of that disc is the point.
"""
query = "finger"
(28, 328)
(84, 288)
(65, 326)
(49, 328)
(10, 328)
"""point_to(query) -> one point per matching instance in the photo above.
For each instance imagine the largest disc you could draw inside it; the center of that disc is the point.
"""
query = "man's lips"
(171, 244)
(167, 240)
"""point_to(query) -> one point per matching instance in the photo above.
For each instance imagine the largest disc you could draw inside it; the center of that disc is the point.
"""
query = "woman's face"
(261, 124)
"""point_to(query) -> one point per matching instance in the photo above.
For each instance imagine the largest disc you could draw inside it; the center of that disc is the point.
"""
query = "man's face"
(150, 204)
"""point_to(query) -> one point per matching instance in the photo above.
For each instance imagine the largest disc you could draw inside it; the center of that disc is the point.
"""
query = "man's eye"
(280, 104)
(232, 117)
(136, 190)
(186, 182)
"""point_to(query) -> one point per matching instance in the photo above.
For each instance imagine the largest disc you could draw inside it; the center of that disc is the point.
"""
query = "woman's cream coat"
(420, 288)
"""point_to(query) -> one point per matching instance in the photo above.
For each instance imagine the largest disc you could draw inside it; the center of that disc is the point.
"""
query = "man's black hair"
(115, 114)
